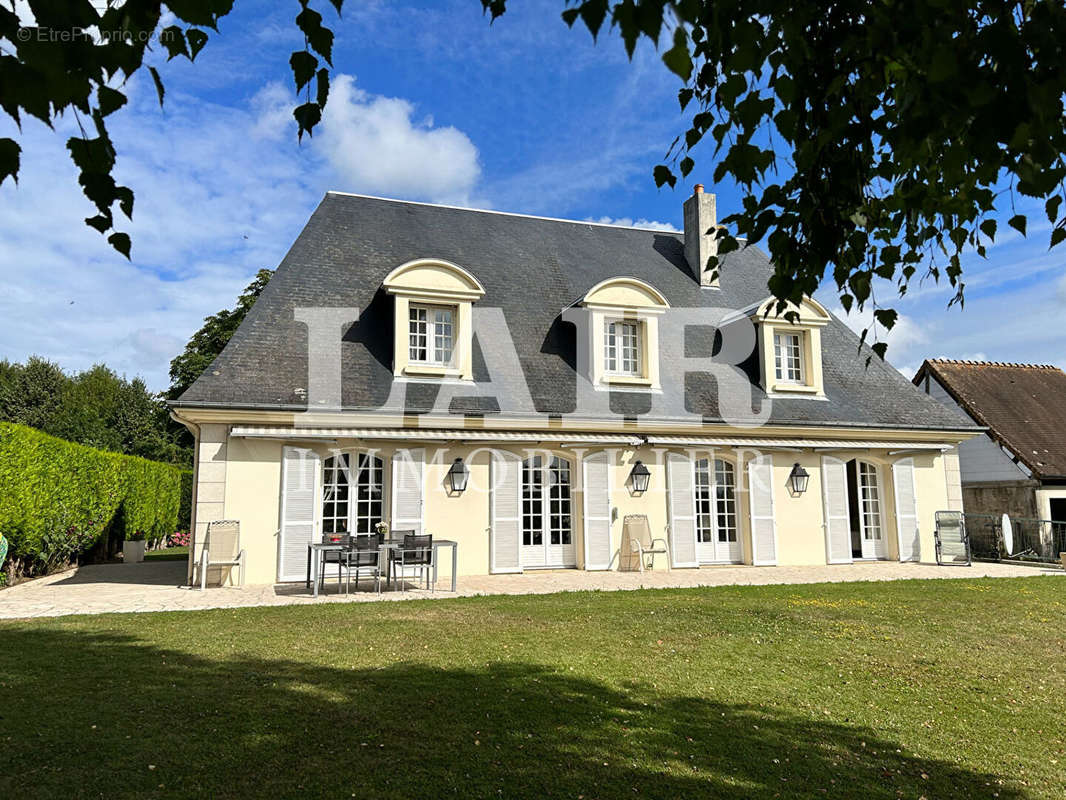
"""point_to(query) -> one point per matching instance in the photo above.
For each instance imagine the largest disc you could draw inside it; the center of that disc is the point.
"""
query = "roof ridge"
(970, 362)
(502, 213)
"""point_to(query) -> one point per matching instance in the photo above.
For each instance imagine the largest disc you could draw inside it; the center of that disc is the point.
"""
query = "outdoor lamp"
(458, 475)
(639, 477)
(798, 479)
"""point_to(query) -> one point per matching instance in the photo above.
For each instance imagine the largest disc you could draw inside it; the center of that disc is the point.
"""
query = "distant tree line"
(99, 408)
(95, 407)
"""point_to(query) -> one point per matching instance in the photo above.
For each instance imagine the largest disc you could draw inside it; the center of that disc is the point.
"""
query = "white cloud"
(221, 191)
(905, 334)
(629, 222)
(376, 146)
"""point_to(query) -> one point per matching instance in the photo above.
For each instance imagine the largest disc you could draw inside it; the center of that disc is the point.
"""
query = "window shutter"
(299, 498)
(906, 510)
(596, 493)
(681, 505)
(408, 472)
(761, 497)
(835, 504)
(505, 511)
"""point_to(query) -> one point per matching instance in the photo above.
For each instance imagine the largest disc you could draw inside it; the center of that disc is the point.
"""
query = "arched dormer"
(433, 334)
(429, 276)
(624, 332)
(790, 346)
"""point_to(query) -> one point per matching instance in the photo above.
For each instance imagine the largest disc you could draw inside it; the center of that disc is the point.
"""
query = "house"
(1018, 465)
(521, 385)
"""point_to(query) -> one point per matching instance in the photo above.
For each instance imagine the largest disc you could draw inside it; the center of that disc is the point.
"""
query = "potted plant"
(133, 548)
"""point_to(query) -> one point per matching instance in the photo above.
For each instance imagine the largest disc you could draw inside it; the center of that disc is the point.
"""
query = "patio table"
(314, 562)
(315, 550)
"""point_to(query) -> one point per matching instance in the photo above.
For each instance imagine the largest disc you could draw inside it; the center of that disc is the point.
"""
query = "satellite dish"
(1008, 534)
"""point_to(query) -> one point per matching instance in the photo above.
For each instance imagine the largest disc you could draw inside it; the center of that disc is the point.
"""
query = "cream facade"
(251, 472)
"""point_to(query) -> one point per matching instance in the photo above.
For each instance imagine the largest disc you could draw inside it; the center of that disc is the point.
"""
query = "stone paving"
(157, 586)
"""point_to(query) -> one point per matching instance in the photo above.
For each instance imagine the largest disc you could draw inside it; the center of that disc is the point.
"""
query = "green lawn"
(168, 554)
(917, 689)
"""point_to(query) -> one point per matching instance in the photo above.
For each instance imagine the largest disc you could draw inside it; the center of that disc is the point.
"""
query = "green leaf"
(1018, 223)
(303, 68)
(173, 40)
(988, 228)
(159, 90)
(1052, 208)
(322, 93)
(307, 116)
(880, 348)
(662, 174)
(100, 222)
(677, 58)
(684, 97)
(886, 317)
(197, 40)
(109, 100)
(686, 166)
(9, 160)
(121, 242)
(1057, 235)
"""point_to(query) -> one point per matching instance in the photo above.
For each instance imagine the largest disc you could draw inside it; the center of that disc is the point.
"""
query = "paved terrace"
(157, 586)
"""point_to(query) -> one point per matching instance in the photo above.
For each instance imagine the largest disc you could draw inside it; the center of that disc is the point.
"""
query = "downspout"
(194, 429)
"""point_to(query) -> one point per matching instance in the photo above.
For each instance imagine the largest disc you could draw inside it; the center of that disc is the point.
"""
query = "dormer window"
(788, 357)
(434, 330)
(432, 335)
(624, 333)
(790, 345)
(623, 342)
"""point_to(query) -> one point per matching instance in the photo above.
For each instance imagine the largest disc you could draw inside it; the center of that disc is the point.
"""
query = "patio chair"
(952, 542)
(364, 556)
(338, 557)
(222, 548)
(415, 554)
(636, 529)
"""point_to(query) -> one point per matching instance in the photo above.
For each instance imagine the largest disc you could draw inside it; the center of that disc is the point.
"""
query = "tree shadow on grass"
(107, 715)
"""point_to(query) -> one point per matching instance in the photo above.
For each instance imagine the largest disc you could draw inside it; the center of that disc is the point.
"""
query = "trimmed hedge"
(58, 499)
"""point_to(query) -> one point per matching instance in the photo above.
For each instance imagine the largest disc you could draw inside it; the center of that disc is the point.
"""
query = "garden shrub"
(57, 498)
(185, 509)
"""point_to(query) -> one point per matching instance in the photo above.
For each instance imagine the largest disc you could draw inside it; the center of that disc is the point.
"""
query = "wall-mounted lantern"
(458, 475)
(639, 478)
(797, 479)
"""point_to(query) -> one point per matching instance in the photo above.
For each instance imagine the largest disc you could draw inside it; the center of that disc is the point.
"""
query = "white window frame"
(354, 502)
(789, 345)
(433, 329)
(614, 341)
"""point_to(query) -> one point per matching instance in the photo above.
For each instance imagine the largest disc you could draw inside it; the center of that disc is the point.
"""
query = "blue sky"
(429, 103)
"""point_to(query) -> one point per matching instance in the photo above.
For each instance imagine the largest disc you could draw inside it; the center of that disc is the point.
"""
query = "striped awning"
(576, 439)
(795, 444)
(435, 435)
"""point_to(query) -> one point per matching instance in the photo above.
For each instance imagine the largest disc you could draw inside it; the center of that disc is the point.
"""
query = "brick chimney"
(701, 232)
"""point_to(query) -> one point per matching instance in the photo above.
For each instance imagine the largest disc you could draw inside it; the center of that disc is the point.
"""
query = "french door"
(874, 543)
(547, 524)
(717, 538)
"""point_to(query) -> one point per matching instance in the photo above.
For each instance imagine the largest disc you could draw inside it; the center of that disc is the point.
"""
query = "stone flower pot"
(132, 552)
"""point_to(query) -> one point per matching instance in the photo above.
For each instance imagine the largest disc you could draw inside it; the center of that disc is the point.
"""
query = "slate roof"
(532, 268)
(1023, 405)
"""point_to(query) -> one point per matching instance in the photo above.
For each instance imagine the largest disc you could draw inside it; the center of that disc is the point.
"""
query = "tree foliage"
(874, 139)
(207, 343)
(95, 407)
(75, 56)
(871, 138)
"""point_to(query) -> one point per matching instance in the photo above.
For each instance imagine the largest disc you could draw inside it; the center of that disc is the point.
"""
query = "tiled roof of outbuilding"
(1023, 405)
